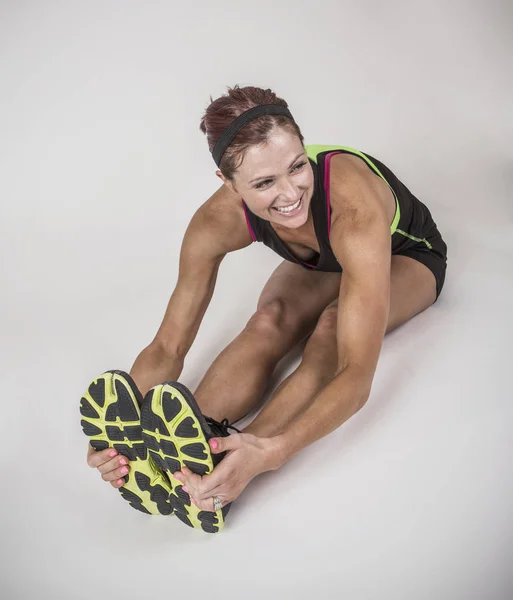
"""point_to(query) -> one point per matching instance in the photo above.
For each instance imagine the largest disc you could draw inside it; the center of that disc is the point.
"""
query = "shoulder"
(360, 230)
(357, 195)
(220, 221)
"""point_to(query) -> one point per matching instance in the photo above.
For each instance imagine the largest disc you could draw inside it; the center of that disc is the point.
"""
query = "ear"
(222, 177)
(227, 182)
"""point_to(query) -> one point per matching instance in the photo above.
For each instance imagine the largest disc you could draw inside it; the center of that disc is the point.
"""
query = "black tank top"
(410, 226)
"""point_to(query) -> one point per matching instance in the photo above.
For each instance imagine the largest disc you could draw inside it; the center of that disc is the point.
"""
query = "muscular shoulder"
(221, 223)
(357, 195)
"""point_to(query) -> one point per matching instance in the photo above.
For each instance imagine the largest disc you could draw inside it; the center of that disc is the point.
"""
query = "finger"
(113, 463)
(118, 483)
(189, 479)
(200, 495)
(116, 474)
(191, 482)
(202, 486)
(188, 475)
(220, 491)
(223, 444)
(207, 503)
(96, 458)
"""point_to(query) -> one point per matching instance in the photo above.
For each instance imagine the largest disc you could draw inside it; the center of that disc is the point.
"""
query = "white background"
(102, 164)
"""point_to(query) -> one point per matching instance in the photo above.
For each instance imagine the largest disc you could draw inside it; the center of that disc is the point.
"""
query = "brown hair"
(222, 111)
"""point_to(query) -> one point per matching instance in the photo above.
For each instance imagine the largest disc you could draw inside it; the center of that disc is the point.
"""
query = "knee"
(321, 349)
(326, 327)
(274, 317)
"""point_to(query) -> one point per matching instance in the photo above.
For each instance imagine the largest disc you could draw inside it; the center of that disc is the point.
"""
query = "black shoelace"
(221, 427)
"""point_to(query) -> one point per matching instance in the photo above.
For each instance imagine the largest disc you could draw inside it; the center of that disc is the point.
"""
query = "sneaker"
(176, 434)
(111, 418)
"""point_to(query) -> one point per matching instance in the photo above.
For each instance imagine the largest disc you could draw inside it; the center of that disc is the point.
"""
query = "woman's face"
(276, 180)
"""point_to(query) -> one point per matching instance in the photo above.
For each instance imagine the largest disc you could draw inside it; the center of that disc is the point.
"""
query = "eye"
(296, 168)
(260, 185)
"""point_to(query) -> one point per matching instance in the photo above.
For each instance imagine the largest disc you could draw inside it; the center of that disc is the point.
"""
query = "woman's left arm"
(360, 238)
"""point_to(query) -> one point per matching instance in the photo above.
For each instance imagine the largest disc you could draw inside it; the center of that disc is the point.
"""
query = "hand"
(112, 466)
(247, 456)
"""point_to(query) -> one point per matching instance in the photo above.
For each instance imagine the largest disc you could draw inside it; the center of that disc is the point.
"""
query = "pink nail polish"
(214, 444)
(174, 475)
(193, 501)
(122, 461)
(185, 489)
(113, 453)
(124, 470)
(120, 482)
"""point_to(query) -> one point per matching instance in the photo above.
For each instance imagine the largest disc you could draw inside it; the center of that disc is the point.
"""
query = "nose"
(287, 190)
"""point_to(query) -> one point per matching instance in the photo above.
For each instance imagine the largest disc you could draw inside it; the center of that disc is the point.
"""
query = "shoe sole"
(173, 432)
(111, 419)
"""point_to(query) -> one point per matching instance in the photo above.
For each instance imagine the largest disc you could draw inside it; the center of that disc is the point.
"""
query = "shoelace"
(222, 426)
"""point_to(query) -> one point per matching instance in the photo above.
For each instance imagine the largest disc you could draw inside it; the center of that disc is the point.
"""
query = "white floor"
(102, 165)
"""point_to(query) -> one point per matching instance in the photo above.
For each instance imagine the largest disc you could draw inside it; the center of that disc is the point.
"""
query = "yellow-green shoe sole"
(111, 418)
(173, 433)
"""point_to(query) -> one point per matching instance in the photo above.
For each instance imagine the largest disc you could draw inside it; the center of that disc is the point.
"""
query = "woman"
(324, 210)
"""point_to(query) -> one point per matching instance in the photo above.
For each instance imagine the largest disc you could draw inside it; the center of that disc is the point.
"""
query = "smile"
(288, 210)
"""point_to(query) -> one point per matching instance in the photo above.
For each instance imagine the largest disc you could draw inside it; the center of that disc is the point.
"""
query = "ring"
(218, 505)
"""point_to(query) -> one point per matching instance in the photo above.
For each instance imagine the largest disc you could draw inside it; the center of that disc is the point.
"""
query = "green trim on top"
(312, 150)
(415, 239)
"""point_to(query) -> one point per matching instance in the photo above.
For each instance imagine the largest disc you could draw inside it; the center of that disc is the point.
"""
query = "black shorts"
(435, 258)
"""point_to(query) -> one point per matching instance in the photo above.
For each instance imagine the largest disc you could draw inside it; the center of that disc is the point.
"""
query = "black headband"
(241, 121)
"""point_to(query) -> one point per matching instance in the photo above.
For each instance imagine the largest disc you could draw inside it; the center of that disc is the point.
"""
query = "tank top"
(407, 229)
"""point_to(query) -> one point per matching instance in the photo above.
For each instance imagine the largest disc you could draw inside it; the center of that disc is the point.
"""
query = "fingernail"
(193, 501)
(122, 461)
(214, 444)
(124, 470)
(113, 453)
(176, 477)
(185, 489)
(120, 482)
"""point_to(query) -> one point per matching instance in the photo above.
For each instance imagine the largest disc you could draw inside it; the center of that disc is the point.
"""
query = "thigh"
(433, 257)
(302, 294)
(413, 288)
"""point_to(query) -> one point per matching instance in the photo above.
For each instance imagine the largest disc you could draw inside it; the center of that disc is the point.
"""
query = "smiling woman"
(283, 196)
(362, 256)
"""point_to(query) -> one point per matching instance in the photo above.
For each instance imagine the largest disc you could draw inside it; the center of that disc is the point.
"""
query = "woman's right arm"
(218, 227)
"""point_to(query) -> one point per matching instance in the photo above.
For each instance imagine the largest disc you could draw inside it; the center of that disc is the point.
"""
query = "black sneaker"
(176, 434)
(111, 418)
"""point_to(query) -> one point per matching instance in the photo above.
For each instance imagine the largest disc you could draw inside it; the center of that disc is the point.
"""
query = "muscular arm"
(217, 228)
(360, 238)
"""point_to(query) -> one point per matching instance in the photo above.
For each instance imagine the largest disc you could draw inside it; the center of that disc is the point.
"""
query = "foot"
(176, 434)
(111, 418)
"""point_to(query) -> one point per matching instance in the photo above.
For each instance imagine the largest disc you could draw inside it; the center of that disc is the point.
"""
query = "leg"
(287, 311)
(316, 370)
(413, 289)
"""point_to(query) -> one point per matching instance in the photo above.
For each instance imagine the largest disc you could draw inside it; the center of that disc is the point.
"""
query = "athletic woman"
(362, 255)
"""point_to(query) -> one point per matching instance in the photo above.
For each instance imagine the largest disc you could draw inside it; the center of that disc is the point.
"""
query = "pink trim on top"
(327, 160)
(253, 236)
(252, 233)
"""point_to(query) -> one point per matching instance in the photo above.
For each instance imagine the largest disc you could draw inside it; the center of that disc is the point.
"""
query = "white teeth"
(289, 208)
